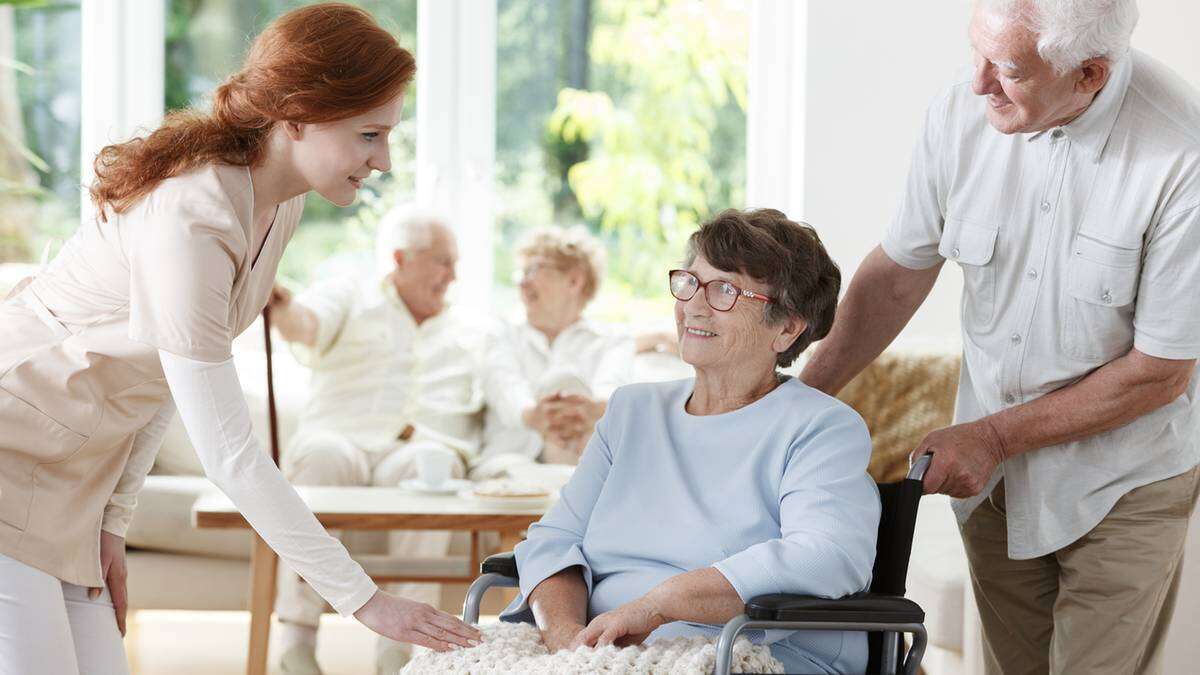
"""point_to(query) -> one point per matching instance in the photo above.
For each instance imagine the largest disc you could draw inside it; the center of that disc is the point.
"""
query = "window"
(206, 40)
(628, 117)
(39, 127)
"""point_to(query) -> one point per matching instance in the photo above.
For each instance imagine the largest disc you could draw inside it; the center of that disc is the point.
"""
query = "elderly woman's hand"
(629, 624)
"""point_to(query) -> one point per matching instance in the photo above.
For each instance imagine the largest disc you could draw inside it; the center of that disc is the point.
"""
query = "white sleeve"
(119, 511)
(330, 303)
(615, 368)
(217, 419)
(505, 388)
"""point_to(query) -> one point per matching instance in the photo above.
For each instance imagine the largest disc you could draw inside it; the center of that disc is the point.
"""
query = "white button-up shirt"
(375, 371)
(1076, 244)
(518, 356)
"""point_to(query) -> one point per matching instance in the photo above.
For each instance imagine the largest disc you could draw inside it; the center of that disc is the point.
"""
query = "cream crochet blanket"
(518, 648)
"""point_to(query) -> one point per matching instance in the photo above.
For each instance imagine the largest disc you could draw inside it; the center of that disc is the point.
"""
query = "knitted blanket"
(518, 648)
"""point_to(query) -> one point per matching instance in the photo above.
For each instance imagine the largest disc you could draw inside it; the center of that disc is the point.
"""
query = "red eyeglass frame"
(703, 286)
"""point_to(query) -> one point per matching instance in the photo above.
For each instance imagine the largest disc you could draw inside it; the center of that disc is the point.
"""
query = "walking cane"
(263, 561)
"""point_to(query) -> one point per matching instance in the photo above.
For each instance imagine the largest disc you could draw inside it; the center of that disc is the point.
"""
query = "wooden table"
(363, 508)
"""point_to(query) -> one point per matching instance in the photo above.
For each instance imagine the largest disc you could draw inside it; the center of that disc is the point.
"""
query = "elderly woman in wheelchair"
(694, 496)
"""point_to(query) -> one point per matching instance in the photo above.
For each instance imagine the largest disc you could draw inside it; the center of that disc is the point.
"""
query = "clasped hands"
(565, 422)
(629, 624)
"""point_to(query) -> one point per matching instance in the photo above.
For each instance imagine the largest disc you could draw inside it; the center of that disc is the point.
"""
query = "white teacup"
(435, 466)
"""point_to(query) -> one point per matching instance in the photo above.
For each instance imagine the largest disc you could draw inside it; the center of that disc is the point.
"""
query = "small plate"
(448, 488)
(509, 502)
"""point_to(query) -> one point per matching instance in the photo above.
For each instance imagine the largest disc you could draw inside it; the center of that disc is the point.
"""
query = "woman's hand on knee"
(112, 569)
(415, 622)
(561, 636)
(629, 624)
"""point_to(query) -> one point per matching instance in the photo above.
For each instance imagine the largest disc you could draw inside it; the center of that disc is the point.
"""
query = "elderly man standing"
(393, 379)
(1064, 179)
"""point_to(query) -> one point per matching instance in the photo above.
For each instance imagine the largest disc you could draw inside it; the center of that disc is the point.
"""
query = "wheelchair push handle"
(917, 469)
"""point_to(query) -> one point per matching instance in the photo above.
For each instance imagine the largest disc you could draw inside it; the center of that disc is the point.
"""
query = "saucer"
(523, 502)
(449, 487)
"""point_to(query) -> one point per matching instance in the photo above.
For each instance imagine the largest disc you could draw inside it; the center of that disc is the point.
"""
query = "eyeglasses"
(720, 295)
(532, 270)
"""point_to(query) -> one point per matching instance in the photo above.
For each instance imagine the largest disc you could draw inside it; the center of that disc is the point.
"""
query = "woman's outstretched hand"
(415, 622)
(629, 624)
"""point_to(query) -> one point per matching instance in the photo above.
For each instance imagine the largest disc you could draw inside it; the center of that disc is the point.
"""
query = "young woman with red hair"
(134, 319)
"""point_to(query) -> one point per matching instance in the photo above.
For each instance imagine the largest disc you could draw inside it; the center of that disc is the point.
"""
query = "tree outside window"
(627, 116)
(39, 126)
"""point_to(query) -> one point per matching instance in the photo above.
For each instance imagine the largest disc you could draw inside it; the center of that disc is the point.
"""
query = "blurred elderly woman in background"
(757, 482)
(547, 379)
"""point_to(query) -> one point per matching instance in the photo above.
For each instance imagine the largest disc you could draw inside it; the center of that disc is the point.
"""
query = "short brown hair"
(570, 248)
(787, 256)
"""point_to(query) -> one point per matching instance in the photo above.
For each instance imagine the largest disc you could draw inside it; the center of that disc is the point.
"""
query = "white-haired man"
(393, 379)
(1064, 179)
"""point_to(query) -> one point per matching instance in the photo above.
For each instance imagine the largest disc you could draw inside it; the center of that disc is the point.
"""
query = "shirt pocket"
(35, 438)
(973, 245)
(1102, 280)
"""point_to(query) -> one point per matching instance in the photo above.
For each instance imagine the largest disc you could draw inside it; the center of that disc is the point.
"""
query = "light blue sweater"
(774, 495)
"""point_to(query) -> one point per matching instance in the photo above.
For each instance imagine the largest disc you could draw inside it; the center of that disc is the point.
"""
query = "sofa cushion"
(192, 582)
(902, 396)
(162, 521)
(937, 572)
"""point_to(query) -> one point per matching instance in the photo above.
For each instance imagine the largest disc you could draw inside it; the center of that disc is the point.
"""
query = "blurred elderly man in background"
(393, 385)
(1064, 179)
(548, 378)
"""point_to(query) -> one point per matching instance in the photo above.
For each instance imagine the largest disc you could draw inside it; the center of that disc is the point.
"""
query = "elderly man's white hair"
(408, 227)
(1070, 32)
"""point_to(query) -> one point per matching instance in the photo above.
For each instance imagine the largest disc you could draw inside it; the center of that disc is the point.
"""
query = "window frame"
(123, 87)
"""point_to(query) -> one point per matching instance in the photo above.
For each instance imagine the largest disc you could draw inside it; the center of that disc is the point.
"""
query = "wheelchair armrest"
(502, 563)
(858, 608)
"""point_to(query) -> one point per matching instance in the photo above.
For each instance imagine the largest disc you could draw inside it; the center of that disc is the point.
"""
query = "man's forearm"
(881, 299)
(1109, 397)
(701, 596)
(561, 598)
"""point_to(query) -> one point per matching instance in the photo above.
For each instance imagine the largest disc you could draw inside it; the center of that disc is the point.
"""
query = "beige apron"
(75, 388)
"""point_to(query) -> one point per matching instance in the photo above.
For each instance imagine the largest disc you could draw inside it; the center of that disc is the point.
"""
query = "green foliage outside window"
(644, 149)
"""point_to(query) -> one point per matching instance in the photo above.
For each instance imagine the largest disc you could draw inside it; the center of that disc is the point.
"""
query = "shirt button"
(1010, 399)
(1045, 206)
(1107, 297)
(1016, 339)
(954, 253)
(1057, 133)
(1032, 273)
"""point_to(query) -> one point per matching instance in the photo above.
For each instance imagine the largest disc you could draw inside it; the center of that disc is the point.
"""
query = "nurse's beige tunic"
(79, 366)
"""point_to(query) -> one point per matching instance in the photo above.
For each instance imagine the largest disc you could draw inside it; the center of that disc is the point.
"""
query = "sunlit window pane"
(628, 117)
(39, 127)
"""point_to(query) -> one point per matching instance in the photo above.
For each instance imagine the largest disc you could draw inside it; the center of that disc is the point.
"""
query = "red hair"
(320, 63)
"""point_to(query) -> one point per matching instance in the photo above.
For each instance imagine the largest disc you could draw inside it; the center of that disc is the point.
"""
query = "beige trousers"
(326, 458)
(1101, 604)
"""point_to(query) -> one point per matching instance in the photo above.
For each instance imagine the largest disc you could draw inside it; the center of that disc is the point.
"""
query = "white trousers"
(328, 458)
(49, 626)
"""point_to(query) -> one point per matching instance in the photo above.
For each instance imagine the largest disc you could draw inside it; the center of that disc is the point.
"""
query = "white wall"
(871, 70)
